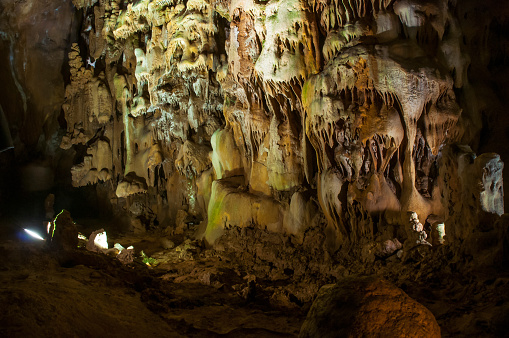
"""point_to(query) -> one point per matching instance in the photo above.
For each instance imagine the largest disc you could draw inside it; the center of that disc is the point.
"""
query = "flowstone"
(353, 111)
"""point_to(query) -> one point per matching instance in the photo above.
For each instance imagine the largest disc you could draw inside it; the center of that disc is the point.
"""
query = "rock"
(437, 229)
(63, 234)
(193, 159)
(49, 201)
(231, 205)
(300, 215)
(387, 248)
(137, 227)
(34, 38)
(126, 256)
(310, 124)
(417, 253)
(225, 157)
(131, 185)
(95, 167)
(119, 247)
(367, 307)
(282, 298)
(180, 222)
(98, 241)
(475, 198)
(167, 243)
(416, 233)
(343, 109)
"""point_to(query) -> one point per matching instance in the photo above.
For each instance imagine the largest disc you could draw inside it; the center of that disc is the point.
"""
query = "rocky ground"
(87, 294)
(194, 291)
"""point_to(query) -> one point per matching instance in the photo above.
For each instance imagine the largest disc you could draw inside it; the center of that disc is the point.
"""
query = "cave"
(272, 168)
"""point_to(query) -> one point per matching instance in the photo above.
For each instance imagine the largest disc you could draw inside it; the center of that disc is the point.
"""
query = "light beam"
(34, 234)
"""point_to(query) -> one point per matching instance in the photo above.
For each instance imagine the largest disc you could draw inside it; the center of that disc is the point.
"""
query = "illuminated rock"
(98, 241)
(416, 233)
(279, 126)
(352, 104)
(193, 159)
(367, 307)
(131, 185)
(226, 157)
(96, 165)
(231, 205)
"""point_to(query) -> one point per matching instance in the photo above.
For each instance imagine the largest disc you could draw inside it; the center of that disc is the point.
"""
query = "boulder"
(387, 248)
(367, 307)
(63, 234)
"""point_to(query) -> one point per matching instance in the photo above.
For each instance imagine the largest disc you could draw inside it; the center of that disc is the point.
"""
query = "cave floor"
(84, 294)
(198, 292)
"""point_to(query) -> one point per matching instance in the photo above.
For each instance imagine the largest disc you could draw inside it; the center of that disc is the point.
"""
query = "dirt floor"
(84, 294)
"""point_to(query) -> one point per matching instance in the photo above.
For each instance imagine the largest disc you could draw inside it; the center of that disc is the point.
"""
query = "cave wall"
(34, 40)
(279, 115)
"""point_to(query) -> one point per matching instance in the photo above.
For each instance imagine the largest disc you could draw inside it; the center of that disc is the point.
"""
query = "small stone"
(167, 244)
(126, 256)
(387, 248)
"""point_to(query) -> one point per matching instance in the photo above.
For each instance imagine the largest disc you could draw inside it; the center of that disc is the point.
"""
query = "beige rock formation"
(218, 107)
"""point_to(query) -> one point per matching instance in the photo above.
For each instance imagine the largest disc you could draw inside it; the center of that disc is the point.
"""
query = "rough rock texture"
(34, 41)
(227, 108)
(294, 137)
(52, 301)
(367, 307)
(63, 234)
(91, 294)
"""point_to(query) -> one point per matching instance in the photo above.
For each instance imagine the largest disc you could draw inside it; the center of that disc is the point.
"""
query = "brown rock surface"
(91, 294)
(367, 307)
(34, 41)
(63, 234)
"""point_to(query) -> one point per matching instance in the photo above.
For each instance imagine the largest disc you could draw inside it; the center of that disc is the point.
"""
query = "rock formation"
(62, 233)
(363, 131)
(367, 307)
(234, 111)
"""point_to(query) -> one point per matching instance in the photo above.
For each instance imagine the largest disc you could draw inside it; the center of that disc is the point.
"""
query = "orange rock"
(367, 307)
